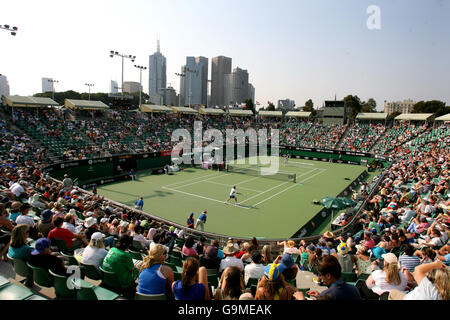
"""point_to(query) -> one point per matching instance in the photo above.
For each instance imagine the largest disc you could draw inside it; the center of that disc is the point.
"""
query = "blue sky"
(292, 49)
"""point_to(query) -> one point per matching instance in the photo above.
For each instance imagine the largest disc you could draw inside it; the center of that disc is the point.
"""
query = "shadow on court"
(156, 194)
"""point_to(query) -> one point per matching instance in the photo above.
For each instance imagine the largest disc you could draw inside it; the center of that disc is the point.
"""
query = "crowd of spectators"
(398, 247)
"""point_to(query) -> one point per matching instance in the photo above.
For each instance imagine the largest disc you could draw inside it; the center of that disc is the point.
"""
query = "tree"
(354, 105)
(393, 115)
(270, 107)
(309, 106)
(249, 105)
(434, 106)
(369, 106)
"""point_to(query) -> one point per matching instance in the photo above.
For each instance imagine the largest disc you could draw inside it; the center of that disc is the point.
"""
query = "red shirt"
(64, 234)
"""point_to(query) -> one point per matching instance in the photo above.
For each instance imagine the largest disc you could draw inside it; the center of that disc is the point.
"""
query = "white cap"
(89, 213)
(89, 222)
(103, 220)
(97, 236)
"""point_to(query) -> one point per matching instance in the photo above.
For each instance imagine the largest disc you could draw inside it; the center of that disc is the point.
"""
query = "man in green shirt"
(121, 263)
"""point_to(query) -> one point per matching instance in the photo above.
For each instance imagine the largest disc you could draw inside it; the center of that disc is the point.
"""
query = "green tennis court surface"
(267, 207)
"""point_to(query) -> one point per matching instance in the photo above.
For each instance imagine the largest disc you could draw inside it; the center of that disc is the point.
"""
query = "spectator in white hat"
(95, 252)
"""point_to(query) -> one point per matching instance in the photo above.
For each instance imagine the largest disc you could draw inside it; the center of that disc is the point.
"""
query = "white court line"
(308, 164)
(276, 186)
(228, 185)
(215, 176)
(323, 170)
(198, 196)
(208, 175)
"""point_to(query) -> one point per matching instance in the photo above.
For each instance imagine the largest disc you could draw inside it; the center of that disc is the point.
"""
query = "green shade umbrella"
(347, 202)
(333, 204)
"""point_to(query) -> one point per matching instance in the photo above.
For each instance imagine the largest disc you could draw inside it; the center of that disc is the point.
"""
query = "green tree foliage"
(270, 107)
(394, 115)
(354, 105)
(309, 106)
(434, 106)
(369, 106)
(249, 105)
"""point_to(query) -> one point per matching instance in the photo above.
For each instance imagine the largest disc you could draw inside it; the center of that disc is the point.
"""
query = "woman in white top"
(385, 280)
(433, 281)
(289, 247)
(95, 252)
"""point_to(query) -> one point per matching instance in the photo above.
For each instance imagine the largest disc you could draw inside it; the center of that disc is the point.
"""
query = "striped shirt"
(409, 262)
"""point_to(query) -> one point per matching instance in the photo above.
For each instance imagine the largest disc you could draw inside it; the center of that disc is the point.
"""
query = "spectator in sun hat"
(14, 210)
(330, 273)
(45, 225)
(385, 280)
(230, 260)
(91, 227)
(362, 260)
(42, 257)
(273, 285)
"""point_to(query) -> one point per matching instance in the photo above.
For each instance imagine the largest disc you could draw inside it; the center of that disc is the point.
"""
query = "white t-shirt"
(253, 270)
(424, 291)
(93, 256)
(232, 192)
(69, 226)
(24, 219)
(230, 262)
(144, 242)
(381, 285)
(17, 189)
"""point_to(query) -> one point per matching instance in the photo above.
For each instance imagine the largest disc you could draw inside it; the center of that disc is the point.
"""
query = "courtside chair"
(87, 291)
(61, 289)
(109, 281)
(91, 272)
(41, 276)
(141, 296)
(62, 246)
(70, 258)
(13, 291)
(21, 268)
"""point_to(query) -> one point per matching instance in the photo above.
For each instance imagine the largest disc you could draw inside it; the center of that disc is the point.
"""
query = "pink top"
(190, 252)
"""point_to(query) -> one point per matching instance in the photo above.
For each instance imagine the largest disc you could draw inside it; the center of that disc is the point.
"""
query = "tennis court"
(268, 206)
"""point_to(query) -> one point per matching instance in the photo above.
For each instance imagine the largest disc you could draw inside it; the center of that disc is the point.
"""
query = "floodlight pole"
(89, 86)
(115, 53)
(179, 93)
(140, 82)
(53, 81)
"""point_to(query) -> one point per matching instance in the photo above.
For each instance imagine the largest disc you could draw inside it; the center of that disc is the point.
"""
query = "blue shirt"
(152, 281)
(341, 291)
(194, 292)
(13, 216)
(139, 203)
(22, 253)
(202, 217)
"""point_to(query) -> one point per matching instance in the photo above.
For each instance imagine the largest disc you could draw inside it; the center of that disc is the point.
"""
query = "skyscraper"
(205, 62)
(193, 84)
(157, 72)
(220, 66)
(236, 87)
(4, 86)
(251, 92)
(113, 88)
(47, 85)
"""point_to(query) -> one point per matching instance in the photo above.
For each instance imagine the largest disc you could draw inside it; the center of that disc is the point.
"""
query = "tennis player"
(232, 195)
(286, 159)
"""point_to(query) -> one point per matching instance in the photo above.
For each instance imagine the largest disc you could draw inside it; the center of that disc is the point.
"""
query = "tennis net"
(263, 173)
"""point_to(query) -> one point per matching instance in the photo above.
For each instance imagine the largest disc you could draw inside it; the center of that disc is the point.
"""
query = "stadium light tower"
(53, 81)
(12, 29)
(179, 94)
(140, 82)
(89, 86)
(190, 82)
(129, 56)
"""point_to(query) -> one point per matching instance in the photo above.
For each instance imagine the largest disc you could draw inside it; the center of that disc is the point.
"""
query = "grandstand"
(388, 168)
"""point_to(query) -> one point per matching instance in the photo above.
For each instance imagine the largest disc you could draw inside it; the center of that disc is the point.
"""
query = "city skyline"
(295, 49)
